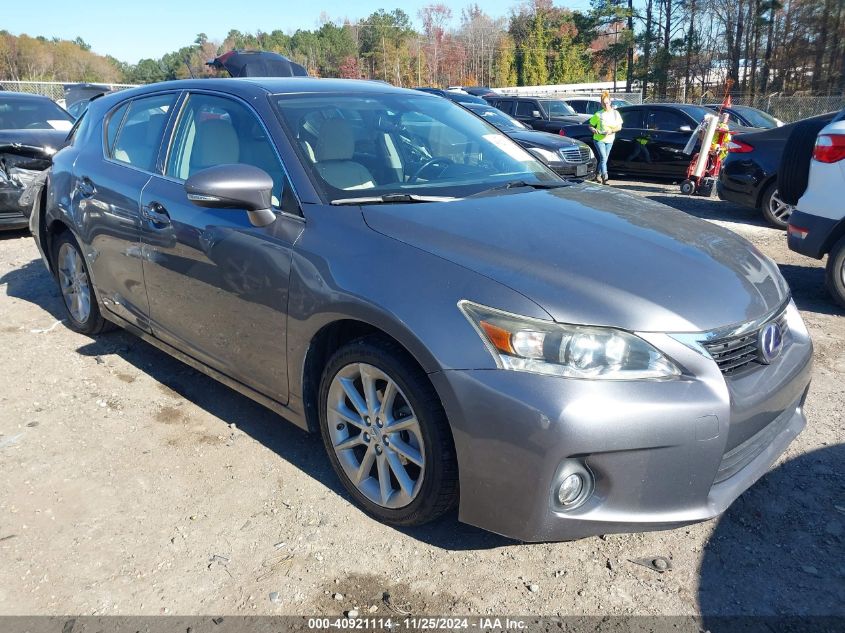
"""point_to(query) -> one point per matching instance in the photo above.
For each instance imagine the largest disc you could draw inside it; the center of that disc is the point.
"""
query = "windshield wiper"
(516, 184)
(391, 198)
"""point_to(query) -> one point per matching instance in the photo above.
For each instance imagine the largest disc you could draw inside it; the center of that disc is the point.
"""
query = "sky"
(130, 30)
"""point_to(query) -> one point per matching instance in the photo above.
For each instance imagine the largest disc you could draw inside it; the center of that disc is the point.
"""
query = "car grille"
(576, 154)
(733, 353)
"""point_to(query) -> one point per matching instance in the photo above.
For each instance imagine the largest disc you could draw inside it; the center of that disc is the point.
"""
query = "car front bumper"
(587, 170)
(655, 449)
(12, 213)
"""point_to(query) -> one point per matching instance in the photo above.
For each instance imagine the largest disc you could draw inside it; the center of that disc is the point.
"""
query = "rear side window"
(113, 126)
(632, 118)
(139, 137)
(591, 107)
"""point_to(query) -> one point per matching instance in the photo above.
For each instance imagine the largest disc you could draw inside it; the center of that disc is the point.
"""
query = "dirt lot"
(131, 484)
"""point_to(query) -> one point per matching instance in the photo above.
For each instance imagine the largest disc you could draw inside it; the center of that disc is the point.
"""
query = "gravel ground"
(132, 484)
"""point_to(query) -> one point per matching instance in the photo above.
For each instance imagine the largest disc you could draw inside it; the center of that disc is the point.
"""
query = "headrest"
(216, 144)
(336, 142)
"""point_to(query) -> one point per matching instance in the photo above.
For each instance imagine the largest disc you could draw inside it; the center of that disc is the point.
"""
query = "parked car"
(481, 91)
(566, 156)
(545, 115)
(457, 96)
(749, 175)
(245, 63)
(746, 116)
(78, 95)
(460, 324)
(817, 226)
(652, 140)
(32, 129)
(591, 105)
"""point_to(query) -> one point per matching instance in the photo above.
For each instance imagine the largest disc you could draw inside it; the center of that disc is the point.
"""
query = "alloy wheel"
(73, 281)
(778, 208)
(375, 435)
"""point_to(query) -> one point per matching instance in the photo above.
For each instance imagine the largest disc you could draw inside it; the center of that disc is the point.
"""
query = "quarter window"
(218, 131)
(113, 126)
(139, 137)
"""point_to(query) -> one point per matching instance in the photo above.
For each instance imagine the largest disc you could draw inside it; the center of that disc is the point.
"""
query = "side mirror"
(234, 186)
(536, 114)
(685, 128)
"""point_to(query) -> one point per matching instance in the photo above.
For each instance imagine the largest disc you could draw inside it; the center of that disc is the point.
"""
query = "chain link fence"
(53, 89)
(786, 108)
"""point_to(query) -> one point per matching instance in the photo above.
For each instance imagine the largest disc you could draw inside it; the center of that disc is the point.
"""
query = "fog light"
(570, 489)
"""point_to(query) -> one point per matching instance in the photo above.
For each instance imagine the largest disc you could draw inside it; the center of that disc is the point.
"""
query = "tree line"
(666, 48)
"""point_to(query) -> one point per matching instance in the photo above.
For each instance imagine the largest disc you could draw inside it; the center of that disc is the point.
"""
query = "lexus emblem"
(770, 342)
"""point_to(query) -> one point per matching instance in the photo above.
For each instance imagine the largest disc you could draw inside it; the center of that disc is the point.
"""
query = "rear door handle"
(86, 187)
(156, 214)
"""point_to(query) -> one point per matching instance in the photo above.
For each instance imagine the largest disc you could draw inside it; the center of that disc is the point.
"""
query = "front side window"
(382, 144)
(139, 137)
(215, 131)
(558, 108)
(525, 109)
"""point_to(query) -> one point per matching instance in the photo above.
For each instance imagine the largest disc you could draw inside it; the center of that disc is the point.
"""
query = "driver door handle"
(156, 214)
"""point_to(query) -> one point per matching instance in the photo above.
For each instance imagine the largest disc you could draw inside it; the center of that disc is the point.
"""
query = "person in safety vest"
(604, 124)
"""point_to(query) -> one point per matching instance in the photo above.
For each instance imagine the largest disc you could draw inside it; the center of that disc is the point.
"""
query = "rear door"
(108, 180)
(505, 105)
(668, 133)
(218, 286)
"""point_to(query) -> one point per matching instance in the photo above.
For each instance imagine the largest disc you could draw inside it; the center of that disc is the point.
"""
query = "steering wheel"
(437, 160)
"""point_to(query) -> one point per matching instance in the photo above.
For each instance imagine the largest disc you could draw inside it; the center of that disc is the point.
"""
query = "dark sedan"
(32, 129)
(462, 326)
(652, 140)
(747, 116)
(749, 173)
(568, 157)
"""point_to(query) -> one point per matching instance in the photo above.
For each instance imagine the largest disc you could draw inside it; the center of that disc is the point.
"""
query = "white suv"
(817, 226)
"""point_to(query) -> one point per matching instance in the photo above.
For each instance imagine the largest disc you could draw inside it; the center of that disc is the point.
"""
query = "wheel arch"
(336, 333)
(835, 235)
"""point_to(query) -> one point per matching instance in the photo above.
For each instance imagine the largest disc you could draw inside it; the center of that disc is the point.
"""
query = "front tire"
(775, 211)
(386, 433)
(75, 284)
(835, 272)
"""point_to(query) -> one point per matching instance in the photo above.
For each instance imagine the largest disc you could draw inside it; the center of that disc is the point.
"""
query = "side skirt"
(275, 406)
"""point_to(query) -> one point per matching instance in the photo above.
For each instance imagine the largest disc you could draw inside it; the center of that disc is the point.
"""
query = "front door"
(669, 131)
(218, 286)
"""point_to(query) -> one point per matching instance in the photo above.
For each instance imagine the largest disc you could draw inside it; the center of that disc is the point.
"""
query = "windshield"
(558, 108)
(618, 103)
(32, 114)
(757, 118)
(399, 144)
(499, 119)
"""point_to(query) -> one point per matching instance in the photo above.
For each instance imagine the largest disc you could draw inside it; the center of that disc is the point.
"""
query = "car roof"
(269, 85)
(23, 96)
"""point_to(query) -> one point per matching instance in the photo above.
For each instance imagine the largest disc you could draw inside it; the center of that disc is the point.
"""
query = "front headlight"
(574, 351)
(547, 156)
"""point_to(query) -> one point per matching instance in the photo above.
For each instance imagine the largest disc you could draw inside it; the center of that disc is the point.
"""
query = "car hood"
(33, 143)
(592, 255)
(545, 140)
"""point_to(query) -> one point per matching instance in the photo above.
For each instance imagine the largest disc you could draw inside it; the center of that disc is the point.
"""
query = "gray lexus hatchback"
(461, 325)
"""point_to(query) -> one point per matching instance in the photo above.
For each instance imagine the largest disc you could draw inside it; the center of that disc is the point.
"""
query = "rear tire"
(775, 211)
(74, 282)
(404, 477)
(835, 272)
